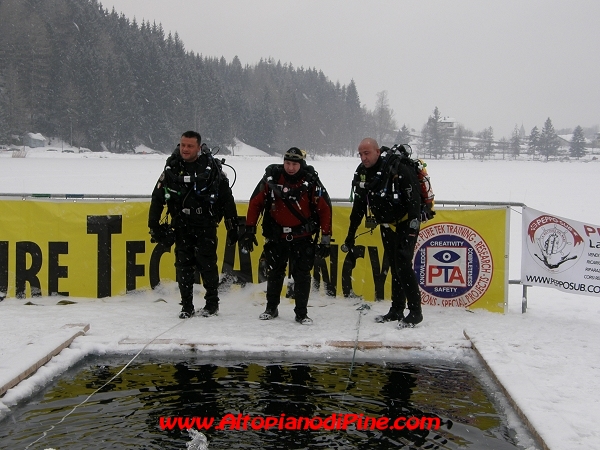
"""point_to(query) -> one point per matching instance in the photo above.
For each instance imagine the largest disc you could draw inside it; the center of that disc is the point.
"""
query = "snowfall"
(547, 359)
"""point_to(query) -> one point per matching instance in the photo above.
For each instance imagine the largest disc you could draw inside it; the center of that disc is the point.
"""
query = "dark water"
(126, 413)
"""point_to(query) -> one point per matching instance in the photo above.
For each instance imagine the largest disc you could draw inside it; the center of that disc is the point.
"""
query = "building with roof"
(34, 140)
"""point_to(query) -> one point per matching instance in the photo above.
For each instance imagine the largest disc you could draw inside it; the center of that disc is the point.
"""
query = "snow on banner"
(560, 253)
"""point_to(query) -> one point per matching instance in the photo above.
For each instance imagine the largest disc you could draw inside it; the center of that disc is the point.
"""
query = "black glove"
(427, 212)
(163, 234)
(323, 247)
(231, 225)
(155, 235)
(232, 236)
(248, 240)
(348, 243)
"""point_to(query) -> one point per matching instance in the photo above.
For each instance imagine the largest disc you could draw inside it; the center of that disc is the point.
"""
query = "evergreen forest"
(73, 70)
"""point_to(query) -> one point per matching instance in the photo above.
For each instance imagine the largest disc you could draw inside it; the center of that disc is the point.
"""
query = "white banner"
(560, 253)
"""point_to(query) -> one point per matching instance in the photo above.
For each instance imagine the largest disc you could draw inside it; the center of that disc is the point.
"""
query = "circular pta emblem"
(453, 264)
(553, 244)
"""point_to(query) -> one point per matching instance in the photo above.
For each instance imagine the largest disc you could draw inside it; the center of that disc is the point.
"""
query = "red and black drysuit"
(284, 200)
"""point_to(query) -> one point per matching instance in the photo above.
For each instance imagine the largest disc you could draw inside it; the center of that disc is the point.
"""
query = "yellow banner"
(96, 249)
(460, 259)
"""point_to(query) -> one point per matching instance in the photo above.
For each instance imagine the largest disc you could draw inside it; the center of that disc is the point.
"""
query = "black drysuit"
(198, 196)
(389, 192)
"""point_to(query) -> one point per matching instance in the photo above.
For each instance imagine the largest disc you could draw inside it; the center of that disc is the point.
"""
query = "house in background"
(34, 140)
(448, 124)
(564, 141)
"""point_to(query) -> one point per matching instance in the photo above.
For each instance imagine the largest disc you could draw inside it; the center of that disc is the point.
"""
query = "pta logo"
(446, 267)
(453, 264)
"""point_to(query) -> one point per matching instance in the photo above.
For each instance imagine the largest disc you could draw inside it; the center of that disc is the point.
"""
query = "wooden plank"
(361, 345)
(20, 367)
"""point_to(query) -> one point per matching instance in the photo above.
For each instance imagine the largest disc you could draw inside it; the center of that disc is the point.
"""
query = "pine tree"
(577, 147)
(403, 136)
(383, 117)
(425, 140)
(355, 121)
(13, 103)
(503, 145)
(489, 141)
(264, 124)
(548, 140)
(486, 144)
(459, 142)
(515, 142)
(437, 137)
(4, 130)
(533, 144)
(291, 120)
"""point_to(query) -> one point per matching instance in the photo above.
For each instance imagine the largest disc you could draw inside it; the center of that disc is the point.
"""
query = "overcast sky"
(485, 63)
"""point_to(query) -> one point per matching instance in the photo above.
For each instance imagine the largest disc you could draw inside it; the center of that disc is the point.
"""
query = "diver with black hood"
(296, 209)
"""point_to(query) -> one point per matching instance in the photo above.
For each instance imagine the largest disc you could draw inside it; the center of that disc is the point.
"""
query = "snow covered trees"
(577, 147)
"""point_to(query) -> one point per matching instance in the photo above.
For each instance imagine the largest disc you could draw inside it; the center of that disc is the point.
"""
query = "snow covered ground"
(547, 359)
